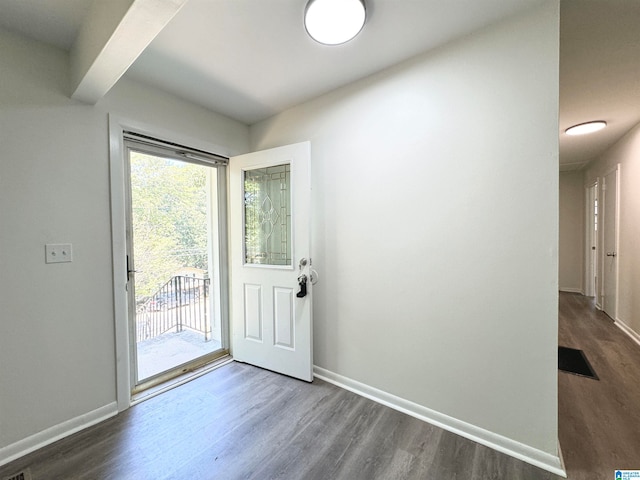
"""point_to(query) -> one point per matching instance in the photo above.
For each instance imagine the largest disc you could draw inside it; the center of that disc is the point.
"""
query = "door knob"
(313, 276)
(611, 254)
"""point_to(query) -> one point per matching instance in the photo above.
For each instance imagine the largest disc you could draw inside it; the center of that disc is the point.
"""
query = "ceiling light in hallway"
(584, 128)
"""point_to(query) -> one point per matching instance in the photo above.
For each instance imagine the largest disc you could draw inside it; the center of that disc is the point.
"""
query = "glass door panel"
(174, 263)
(267, 215)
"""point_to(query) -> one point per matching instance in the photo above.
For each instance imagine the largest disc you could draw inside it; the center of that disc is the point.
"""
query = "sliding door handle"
(129, 270)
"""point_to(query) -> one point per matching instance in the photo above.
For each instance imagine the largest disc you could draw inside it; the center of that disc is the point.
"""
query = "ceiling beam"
(111, 38)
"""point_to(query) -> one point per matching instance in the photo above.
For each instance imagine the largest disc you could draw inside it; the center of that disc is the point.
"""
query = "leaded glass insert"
(267, 214)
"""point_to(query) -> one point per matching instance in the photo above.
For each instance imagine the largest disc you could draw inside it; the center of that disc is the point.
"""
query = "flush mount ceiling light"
(333, 22)
(584, 128)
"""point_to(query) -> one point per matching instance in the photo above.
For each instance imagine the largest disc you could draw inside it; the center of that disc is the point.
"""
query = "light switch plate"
(58, 252)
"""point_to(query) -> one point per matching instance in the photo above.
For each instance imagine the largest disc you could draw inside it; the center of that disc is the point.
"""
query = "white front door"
(270, 196)
(610, 249)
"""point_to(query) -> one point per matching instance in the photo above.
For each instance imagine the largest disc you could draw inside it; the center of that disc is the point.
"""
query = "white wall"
(572, 232)
(625, 152)
(436, 227)
(57, 353)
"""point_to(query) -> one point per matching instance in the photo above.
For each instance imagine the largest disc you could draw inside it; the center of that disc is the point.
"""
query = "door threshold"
(179, 380)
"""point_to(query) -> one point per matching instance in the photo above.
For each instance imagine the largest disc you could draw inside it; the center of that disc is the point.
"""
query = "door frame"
(118, 185)
(591, 240)
(616, 228)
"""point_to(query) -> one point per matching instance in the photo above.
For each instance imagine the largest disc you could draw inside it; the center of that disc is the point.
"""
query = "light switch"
(58, 252)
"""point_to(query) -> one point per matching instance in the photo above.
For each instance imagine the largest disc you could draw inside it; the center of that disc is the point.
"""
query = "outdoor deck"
(173, 326)
(171, 349)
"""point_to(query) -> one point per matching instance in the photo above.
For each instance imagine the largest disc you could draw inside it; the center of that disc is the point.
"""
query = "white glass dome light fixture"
(333, 22)
(585, 128)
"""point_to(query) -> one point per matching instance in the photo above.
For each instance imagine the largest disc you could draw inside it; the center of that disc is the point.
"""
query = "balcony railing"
(182, 302)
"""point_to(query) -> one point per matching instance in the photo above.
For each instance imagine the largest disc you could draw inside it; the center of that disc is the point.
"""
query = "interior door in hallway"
(591, 258)
(270, 199)
(610, 243)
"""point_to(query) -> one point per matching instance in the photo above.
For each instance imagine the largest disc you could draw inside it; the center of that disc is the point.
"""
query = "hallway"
(599, 421)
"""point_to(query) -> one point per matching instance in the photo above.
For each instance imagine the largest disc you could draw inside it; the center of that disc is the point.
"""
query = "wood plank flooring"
(241, 422)
(598, 421)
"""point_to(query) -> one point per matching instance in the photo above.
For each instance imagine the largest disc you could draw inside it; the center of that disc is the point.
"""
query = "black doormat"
(574, 361)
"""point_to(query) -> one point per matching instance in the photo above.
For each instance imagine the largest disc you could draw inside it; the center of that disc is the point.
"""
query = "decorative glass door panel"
(267, 216)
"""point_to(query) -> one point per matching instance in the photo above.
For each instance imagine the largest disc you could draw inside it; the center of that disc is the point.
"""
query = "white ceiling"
(599, 74)
(250, 59)
(55, 22)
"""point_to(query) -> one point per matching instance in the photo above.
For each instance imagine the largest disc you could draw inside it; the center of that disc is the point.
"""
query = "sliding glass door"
(174, 263)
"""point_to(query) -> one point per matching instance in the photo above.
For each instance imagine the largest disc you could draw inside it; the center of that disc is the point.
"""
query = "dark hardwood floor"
(241, 422)
(598, 421)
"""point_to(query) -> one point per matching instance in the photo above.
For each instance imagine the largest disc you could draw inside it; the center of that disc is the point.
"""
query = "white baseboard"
(572, 290)
(628, 330)
(544, 460)
(561, 457)
(55, 433)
